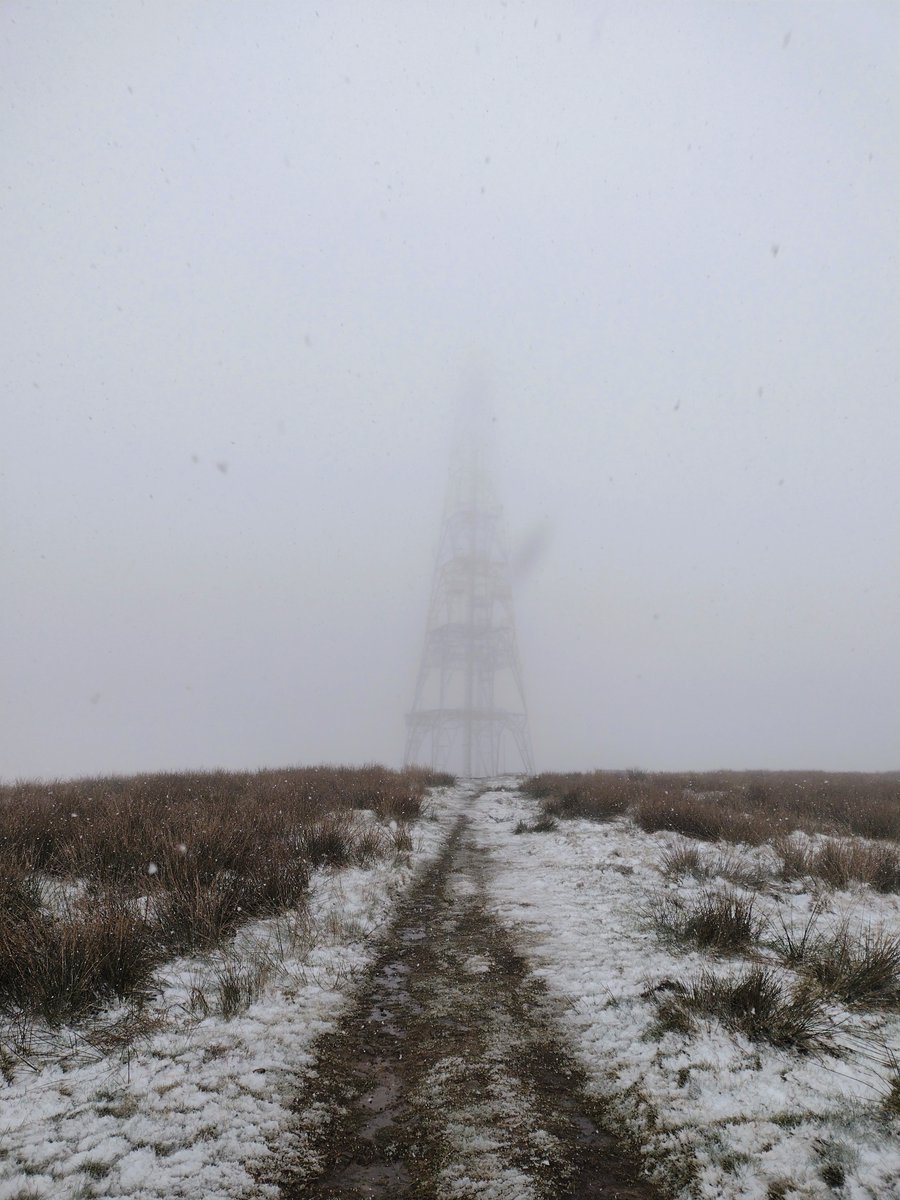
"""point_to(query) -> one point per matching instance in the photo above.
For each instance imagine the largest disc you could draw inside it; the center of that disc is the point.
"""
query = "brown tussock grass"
(171, 863)
(841, 863)
(723, 922)
(754, 1004)
(737, 806)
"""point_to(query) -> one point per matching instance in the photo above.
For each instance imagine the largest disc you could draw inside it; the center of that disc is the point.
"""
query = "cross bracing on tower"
(469, 714)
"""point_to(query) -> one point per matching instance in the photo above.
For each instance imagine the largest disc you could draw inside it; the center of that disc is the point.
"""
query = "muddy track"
(445, 1079)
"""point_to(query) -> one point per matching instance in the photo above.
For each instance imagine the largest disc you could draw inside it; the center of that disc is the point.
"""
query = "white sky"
(250, 253)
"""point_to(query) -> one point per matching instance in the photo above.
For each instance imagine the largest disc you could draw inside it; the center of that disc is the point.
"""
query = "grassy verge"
(102, 880)
(750, 806)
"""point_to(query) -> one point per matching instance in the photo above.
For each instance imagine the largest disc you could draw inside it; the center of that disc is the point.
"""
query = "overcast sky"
(252, 255)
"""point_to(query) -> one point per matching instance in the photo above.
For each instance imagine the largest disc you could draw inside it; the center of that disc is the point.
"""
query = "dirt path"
(445, 1080)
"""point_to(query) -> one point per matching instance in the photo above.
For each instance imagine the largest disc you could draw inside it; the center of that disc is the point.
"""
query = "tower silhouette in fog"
(468, 714)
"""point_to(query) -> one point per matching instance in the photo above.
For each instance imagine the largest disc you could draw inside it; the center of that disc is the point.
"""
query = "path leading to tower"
(446, 1079)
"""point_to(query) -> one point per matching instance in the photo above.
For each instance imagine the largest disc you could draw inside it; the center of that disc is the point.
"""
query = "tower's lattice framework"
(469, 714)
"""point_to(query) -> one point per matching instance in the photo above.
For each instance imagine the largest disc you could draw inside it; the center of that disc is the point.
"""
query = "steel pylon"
(469, 715)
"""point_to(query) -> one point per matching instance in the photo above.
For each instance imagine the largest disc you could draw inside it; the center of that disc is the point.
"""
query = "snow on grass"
(196, 1106)
(717, 1116)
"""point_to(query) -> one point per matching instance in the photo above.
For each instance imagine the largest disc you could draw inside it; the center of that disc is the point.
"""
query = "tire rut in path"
(445, 1079)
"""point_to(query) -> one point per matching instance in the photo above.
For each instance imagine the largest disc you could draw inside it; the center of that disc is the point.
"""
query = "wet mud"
(446, 1078)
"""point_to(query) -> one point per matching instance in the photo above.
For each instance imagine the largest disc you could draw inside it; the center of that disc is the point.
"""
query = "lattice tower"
(469, 714)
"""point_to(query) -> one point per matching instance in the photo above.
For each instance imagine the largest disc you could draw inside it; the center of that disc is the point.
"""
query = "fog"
(254, 256)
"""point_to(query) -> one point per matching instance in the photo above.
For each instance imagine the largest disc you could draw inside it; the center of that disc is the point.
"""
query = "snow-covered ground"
(195, 1107)
(719, 1117)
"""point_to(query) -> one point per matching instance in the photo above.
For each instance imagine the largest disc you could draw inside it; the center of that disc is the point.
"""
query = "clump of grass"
(95, 1168)
(278, 883)
(687, 859)
(194, 908)
(65, 968)
(835, 1159)
(544, 823)
(401, 839)
(721, 921)
(328, 842)
(369, 845)
(672, 1016)
(756, 1005)
(195, 913)
(795, 857)
(840, 863)
(859, 968)
(335, 840)
(794, 945)
(240, 982)
(743, 872)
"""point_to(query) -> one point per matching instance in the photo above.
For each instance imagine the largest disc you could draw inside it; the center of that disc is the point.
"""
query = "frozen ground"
(721, 1118)
(194, 1108)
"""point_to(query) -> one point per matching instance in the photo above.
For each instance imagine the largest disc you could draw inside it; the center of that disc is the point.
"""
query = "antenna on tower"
(469, 715)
